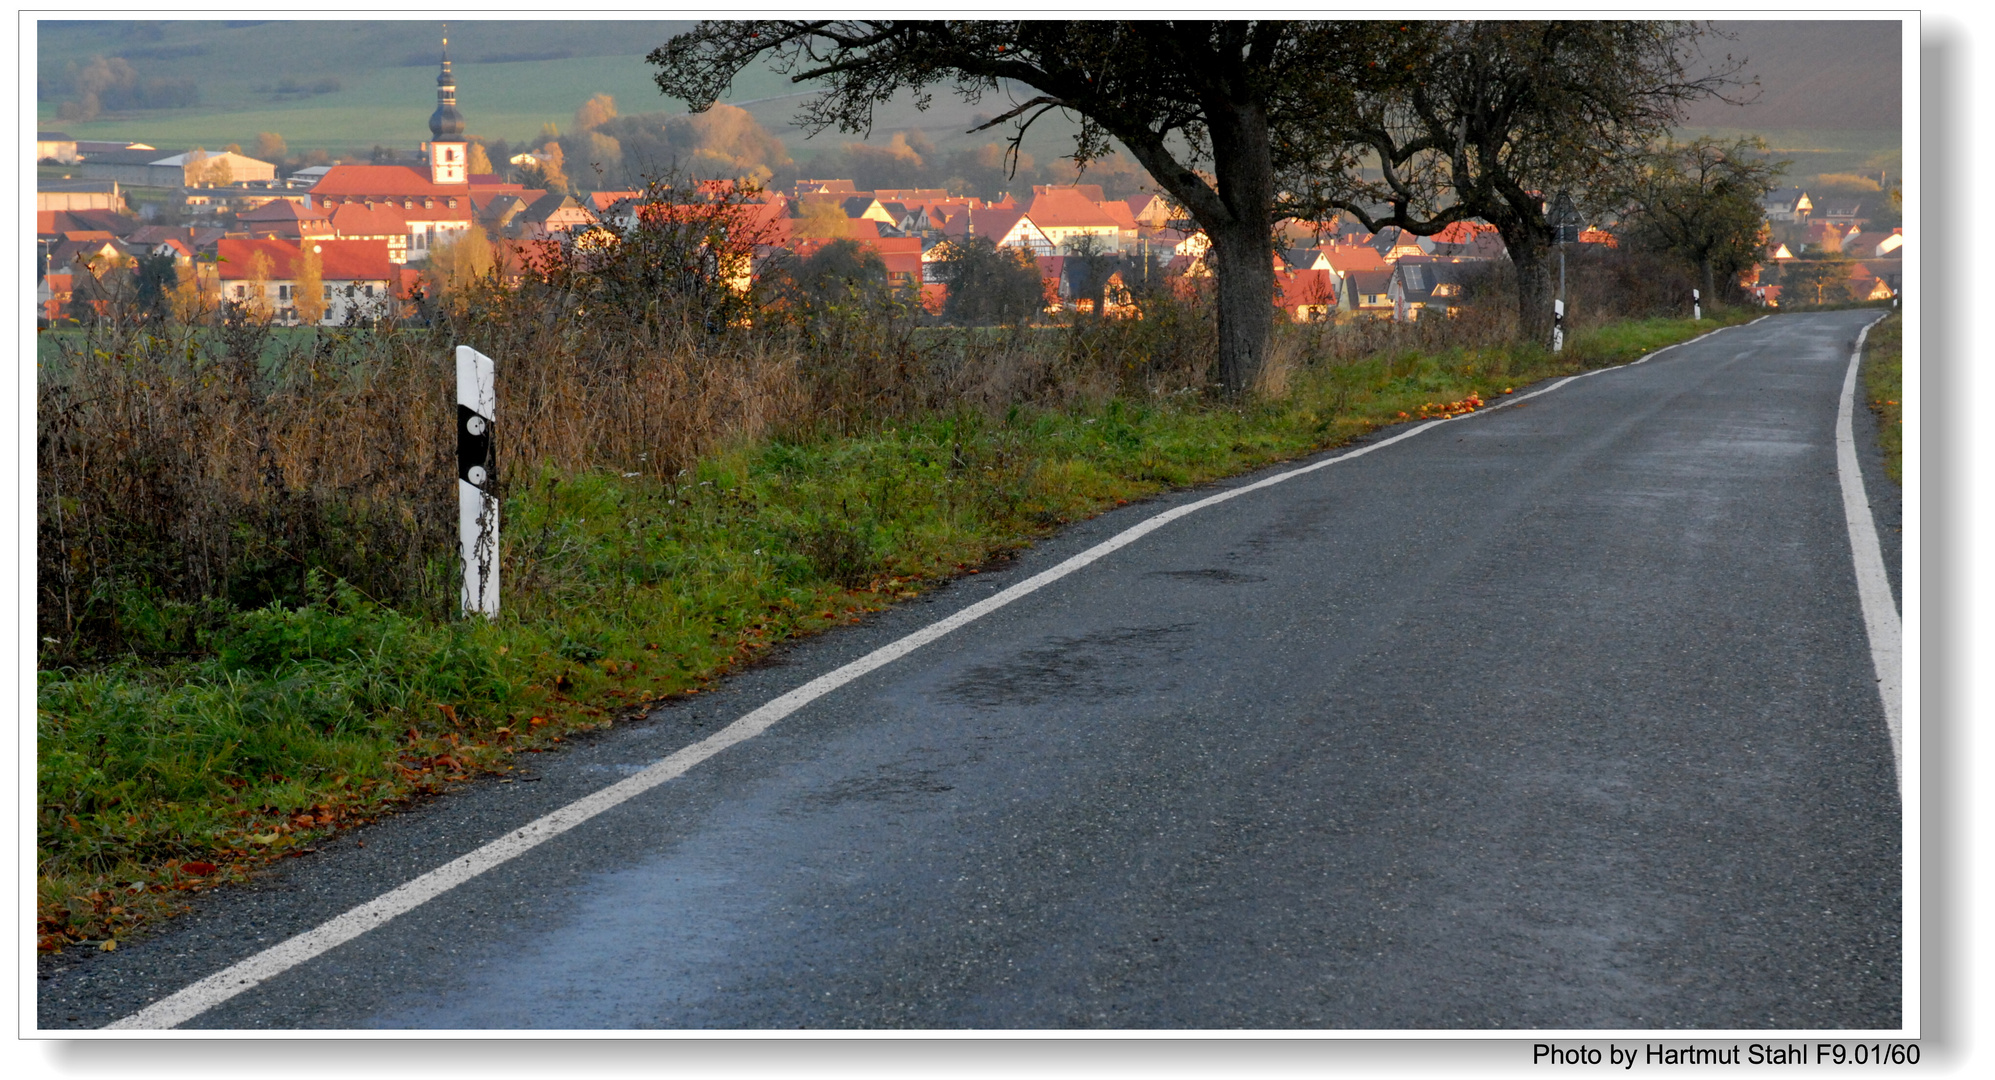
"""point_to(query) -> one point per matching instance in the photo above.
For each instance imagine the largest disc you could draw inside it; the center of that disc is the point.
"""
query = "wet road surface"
(1559, 716)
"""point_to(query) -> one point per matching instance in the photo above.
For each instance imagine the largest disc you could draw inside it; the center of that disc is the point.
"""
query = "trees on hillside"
(723, 143)
(1490, 119)
(1700, 201)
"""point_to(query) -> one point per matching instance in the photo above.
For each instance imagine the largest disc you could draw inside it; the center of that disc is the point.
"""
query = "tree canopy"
(1214, 110)
(1247, 122)
(1700, 201)
(1489, 120)
(989, 285)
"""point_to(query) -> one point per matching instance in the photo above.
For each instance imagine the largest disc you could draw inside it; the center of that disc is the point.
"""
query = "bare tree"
(1214, 110)
(1489, 119)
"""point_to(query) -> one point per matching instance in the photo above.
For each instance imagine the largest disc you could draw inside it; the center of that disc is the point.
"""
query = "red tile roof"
(1463, 232)
(1346, 258)
(281, 210)
(600, 201)
(1068, 208)
(1118, 212)
(910, 195)
(356, 219)
(1090, 192)
(382, 180)
(1306, 287)
(990, 221)
(339, 260)
(49, 222)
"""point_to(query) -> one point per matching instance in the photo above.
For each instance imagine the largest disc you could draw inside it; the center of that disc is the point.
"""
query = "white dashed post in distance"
(477, 481)
(1696, 306)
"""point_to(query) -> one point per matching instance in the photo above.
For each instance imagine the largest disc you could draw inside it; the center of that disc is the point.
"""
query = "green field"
(1822, 150)
(387, 75)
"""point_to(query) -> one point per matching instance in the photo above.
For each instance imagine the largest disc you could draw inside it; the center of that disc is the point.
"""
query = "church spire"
(447, 158)
(446, 123)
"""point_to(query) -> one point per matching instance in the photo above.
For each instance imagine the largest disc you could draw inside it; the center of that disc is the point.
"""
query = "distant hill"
(347, 85)
(1837, 75)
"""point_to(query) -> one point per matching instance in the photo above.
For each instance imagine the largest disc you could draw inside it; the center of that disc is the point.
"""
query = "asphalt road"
(1558, 716)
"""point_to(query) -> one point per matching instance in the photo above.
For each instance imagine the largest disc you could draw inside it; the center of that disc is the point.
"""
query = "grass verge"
(1884, 388)
(286, 724)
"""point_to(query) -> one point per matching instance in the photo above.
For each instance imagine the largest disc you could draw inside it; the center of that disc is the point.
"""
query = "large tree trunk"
(1244, 264)
(1238, 219)
(1532, 257)
(1243, 246)
(1710, 283)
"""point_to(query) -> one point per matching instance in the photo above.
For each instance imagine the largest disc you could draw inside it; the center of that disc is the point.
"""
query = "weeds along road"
(1558, 716)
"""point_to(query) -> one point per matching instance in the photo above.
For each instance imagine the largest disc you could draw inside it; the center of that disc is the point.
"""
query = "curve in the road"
(260, 968)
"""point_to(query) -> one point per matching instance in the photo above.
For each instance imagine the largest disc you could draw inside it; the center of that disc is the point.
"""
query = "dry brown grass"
(214, 465)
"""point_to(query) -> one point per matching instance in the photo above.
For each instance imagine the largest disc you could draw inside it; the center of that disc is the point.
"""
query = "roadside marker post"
(1696, 306)
(1564, 219)
(477, 482)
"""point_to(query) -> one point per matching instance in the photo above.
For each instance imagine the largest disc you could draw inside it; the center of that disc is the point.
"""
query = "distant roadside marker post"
(1564, 219)
(1696, 306)
(477, 482)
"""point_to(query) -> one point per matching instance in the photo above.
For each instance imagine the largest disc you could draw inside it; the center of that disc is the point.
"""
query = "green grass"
(286, 724)
(1884, 386)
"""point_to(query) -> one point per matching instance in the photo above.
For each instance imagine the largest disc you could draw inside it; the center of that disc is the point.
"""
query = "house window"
(241, 291)
(283, 292)
(329, 292)
(370, 290)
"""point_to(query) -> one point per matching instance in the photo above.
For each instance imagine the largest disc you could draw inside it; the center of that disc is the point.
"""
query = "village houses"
(371, 227)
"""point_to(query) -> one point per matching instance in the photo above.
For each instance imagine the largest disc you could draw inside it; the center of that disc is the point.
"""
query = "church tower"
(447, 161)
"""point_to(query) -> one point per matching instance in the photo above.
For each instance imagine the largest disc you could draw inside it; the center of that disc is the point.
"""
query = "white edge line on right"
(1881, 620)
(206, 993)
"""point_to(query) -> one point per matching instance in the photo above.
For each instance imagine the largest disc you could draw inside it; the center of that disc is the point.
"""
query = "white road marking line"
(1880, 612)
(205, 994)
(1646, 357)
(198, 997)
